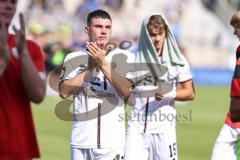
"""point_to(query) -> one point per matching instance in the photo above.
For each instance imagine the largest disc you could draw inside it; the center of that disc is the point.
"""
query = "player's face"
(157, 36)
(237, 31)
(100, 31)
(7, 11)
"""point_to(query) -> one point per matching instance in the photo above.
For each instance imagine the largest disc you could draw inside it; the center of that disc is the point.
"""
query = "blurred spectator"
(210, 4)
(84, 8)
(22, 81)
(49, 21)
(55, 53)
(114, 4)
(41, 4)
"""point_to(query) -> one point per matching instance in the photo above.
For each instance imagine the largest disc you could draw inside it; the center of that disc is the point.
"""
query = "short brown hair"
(235, 20)
(156, 21)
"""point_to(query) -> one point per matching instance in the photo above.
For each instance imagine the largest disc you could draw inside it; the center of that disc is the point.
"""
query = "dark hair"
(97, 14)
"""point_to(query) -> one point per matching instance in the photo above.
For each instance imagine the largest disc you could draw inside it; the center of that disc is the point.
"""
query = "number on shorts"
(118, 157)
(172, 149)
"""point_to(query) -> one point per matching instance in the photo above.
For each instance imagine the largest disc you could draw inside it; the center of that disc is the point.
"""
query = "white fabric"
(42, 75)
(171, 54)
(225, 147)
(160, 133)
(151, 126)
(172, 94)
(143, 146)
(96, 154)
(160, 113)
(112, 130)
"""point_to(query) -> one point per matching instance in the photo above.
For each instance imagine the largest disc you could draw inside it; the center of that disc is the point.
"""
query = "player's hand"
(96, 53)
(91, 63)
(20, 40)
(158, 96)
(4, 50)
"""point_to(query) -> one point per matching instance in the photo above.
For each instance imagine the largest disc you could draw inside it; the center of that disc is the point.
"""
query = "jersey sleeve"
(130, 62)
(184, 72)
(73, 65)
(37, 58)
(123, 59)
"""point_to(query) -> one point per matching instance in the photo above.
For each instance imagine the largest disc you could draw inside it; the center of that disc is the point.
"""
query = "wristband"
(172, 94)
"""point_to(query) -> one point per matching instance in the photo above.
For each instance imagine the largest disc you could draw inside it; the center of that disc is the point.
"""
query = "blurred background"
(202, 30)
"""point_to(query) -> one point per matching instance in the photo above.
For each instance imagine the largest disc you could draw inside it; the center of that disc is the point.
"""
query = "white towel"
(171, 55)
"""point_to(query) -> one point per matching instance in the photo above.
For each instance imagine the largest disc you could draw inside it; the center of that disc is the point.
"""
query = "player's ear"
(87, 29)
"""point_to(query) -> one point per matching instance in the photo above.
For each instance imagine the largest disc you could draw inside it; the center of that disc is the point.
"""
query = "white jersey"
(98, 110)
(152, 116)
(226, 145)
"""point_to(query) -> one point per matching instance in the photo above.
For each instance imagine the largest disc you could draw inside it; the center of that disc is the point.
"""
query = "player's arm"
(33, 83)
(122, 85)
(185, 91)
(4, 51)
(73, 85)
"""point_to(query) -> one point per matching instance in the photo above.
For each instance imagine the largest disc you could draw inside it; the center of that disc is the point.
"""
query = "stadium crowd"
(58, 27)
(60, 30)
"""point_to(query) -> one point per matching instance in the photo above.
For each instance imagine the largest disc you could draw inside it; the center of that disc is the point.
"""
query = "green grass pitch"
(195, 136)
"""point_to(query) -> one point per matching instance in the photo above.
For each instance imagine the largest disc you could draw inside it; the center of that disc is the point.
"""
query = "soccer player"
(97, 132)
(22, 81)
(151, 128)
(226, 144)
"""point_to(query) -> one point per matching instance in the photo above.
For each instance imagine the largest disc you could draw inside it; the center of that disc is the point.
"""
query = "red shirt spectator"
(17, 135)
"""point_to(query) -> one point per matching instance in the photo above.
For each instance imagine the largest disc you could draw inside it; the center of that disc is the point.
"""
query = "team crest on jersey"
(82, 67)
